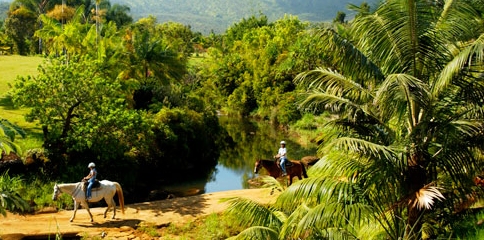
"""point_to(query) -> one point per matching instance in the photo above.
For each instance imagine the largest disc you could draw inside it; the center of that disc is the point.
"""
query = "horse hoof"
(70, 220)
(92, 220)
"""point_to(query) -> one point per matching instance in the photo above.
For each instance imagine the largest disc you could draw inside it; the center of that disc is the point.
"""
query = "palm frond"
(468, 56)
(405, 90)
(322, 100)
(11, 130)
(257, 233)
(426, 196)
(450, 27)
(250, 213)
(290, 225)
(337, 215)
(363, 148)
(8, 132)
(350, 60)
(332, 82)
(270, 182)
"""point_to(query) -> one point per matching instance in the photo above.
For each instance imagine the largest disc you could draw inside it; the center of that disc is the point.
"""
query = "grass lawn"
(12, 66)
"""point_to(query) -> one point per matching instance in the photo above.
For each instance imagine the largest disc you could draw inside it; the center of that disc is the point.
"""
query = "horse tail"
(119, 191)
(304, 170)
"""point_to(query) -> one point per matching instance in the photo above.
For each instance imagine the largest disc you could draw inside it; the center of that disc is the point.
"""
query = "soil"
(162, 213)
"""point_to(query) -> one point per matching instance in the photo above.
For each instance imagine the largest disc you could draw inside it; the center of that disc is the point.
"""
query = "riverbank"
(159, 213)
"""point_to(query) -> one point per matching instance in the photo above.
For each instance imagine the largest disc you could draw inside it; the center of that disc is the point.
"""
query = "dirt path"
(165, 212)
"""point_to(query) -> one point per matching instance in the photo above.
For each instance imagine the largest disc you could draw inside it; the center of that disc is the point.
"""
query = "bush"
(10, 198)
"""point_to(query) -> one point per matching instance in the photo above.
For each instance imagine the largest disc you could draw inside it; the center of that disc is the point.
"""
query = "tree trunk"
(416, 179)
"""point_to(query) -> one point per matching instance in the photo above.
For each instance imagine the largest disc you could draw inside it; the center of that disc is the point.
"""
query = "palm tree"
(405, 89)
(149, 61)
(36, 7)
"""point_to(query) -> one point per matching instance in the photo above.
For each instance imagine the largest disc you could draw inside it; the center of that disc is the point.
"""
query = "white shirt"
(282, 152)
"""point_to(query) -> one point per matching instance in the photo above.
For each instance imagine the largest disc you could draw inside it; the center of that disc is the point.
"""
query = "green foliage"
(185, 138)
(119, 14)
(83, 114)
(8, 132)
(468, 225)
(253, 70)
(38, 193)
(10, 198)
(340, 17)
(376, 98)
(405, 109)
(20, 27)
(63, 96)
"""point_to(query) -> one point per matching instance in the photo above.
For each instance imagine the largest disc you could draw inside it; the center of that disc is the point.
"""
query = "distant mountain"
(4, 6)
(217, 15)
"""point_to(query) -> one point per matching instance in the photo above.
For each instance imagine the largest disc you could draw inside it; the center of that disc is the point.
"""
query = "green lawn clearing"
(12, 66)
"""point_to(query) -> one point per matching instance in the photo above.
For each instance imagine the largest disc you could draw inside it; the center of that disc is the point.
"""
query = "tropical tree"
(150, 62)
(81, 109)
(33, 9)
(119, 14)
(405, 89)
(19, 27)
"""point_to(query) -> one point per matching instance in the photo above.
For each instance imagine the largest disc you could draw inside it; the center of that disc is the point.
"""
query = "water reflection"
(245, 142)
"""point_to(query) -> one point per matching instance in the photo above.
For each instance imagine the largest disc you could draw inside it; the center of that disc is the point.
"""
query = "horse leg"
(107, 209)
(112, 204)
(85, 205)
(76, 206)
(114, 208)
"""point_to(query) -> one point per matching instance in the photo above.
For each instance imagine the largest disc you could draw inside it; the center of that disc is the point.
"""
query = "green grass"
(12, 66)
(214, 226)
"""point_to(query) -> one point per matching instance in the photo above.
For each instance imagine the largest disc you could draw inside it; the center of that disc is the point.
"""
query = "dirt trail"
(161, 213)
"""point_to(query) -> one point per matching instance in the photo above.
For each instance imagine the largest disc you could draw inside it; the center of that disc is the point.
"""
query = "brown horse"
(296, 170)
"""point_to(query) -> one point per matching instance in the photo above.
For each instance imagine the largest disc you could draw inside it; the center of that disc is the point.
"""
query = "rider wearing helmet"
(283, 156)
(91, 178)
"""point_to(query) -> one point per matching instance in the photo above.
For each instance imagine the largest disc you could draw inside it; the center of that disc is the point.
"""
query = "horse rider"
(282, 153)
(91, 178)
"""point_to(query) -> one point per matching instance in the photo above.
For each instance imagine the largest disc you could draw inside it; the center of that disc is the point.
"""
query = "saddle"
(287, 163)
(96, 185)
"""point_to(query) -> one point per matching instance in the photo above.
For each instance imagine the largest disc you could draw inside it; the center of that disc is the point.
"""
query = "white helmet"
(91, 165)
(283, 142)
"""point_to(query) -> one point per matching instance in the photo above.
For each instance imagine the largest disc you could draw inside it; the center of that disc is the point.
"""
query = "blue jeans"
(283, 165)
(89, 188)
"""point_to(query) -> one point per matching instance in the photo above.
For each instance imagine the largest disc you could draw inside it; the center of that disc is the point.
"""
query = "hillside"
(217, 15)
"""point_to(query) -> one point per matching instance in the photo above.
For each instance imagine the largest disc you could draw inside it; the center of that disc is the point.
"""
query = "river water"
(246, 141)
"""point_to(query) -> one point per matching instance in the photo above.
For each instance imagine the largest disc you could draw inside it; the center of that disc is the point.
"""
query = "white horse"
(106, 191)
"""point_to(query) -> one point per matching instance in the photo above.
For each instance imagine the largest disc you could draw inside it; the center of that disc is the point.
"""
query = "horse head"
(57, 191)
(257, 165)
